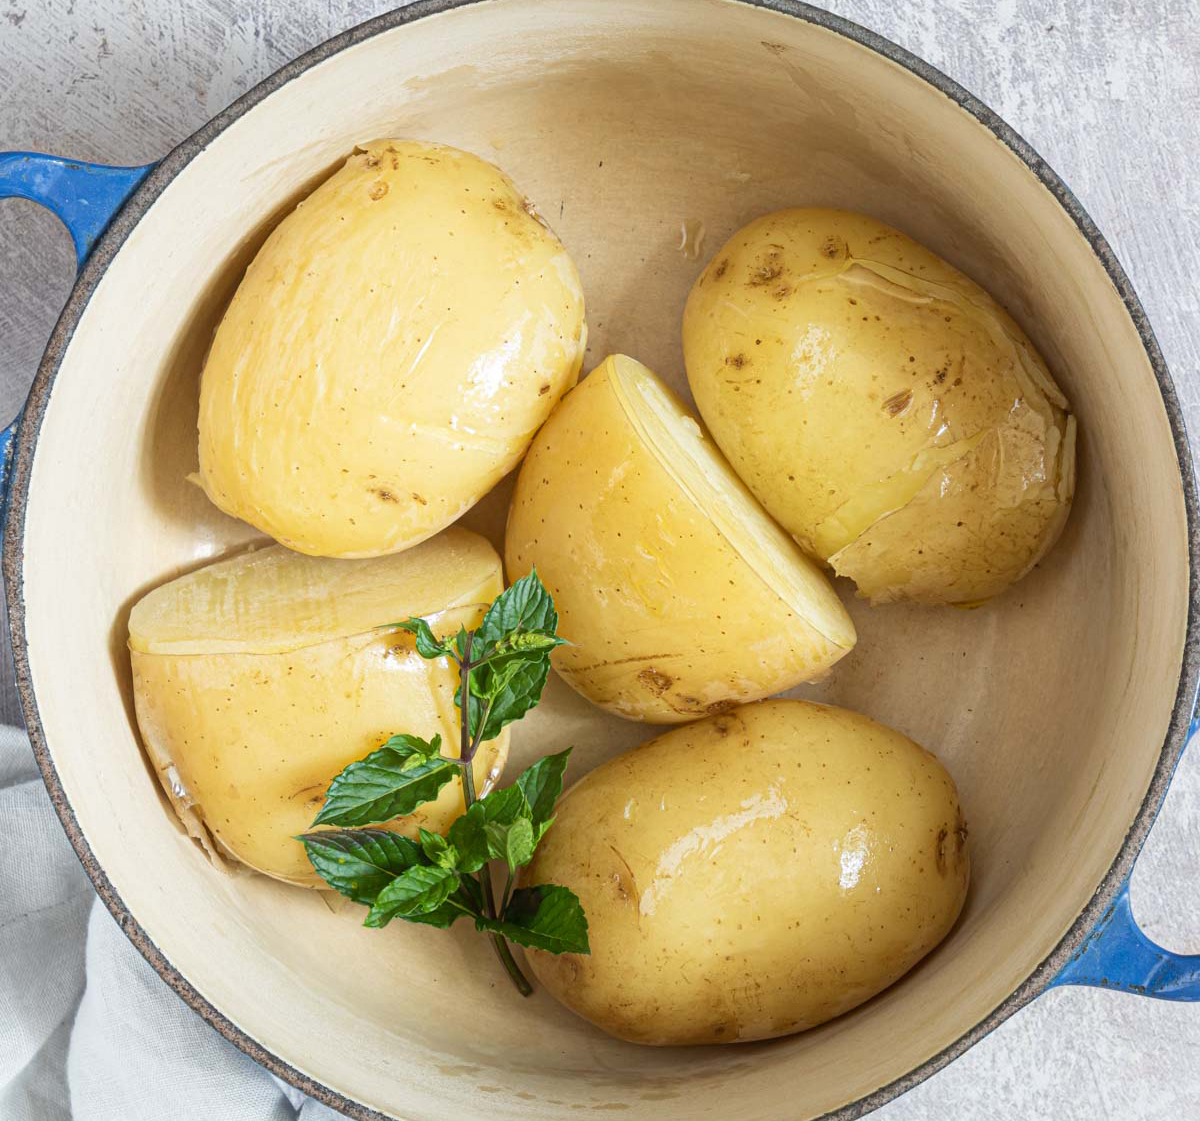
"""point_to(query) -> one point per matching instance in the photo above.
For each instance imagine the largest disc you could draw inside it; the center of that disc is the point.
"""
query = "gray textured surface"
(1107, 90)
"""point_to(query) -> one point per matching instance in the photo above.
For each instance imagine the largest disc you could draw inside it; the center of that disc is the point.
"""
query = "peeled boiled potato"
(679, 596)
(389, 354)
(752, 874)
(259, 678)
(882, 407)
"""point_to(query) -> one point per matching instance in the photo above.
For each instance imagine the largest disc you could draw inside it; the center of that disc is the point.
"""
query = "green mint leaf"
(505, 805)
(542, 784)
(520, 690)
(528, 642)
(442, 917)
(417, 891)
(469, 837)
(402, 775)
(469, 834)
(360, 863)
(462, 902)
(460, 642)
(410, 746)
(470, 894)
(525, 607)
(511, 843)
(438, 849)
(428, 646)
(547, 917)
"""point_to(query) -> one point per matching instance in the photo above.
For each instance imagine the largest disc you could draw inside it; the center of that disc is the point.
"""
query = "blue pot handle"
(85, 197)
(1117, 955)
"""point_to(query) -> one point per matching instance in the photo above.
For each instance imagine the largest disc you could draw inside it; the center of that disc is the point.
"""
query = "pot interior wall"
(636, 126)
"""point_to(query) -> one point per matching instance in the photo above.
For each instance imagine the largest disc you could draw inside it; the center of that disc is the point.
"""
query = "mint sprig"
(436, 880)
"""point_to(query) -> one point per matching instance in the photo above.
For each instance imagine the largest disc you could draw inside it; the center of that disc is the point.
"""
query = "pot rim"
(181, 156)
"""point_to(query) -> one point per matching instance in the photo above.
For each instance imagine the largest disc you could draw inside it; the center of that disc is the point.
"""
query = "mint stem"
(510, 964)
(466, 757)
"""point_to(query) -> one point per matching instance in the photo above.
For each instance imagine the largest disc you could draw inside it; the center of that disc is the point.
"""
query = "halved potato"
(259, 678)
(389, 353)
(881, 405)
(679, 595)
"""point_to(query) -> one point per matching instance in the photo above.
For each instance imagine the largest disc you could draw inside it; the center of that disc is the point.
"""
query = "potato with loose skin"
(259, 678)
(882, 406)
(389, 353)
(678, 595)
(752, 874)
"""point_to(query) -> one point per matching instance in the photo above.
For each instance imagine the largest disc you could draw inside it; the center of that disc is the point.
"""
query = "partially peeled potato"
(885, 410)
(259, 678)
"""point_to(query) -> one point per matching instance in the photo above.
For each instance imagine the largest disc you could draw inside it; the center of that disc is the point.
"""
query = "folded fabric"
(88, 1031)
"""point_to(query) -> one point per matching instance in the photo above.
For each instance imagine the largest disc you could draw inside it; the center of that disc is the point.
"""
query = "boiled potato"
(679, 596)
(259, 678)
(752, 874)
(882, 406)
(389, 354)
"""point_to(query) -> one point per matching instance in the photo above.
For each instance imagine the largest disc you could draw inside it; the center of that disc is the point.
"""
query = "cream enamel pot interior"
(1060, 709)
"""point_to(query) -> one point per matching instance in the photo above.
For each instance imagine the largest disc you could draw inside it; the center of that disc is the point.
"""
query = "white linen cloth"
(88, 1031)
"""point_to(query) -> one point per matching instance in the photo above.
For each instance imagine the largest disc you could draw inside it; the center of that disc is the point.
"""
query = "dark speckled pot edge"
(110, 244)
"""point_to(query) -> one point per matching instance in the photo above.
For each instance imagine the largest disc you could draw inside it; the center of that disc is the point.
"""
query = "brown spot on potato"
(371, 161)
(499, 204)
(543, 389)
(720, 269)
(940, 849)
(782, 292)
(655, 680)
(898, 402)
(624, 894)
(377, 189)
(385, 495)
(768, 269)
(420, 499)
(735, 360)
(834, 248)
(621, 661)
(717, 707)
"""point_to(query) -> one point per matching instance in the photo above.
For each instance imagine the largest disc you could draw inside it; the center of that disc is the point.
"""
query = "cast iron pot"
(1061, 708)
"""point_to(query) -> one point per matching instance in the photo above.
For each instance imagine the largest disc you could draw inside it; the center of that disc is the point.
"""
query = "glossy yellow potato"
(259, 678)
(389, 354)
(679, 596)
(752, 874)
(883, 408)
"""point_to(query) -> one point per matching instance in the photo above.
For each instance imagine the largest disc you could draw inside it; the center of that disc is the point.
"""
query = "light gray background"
(1107, 90)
